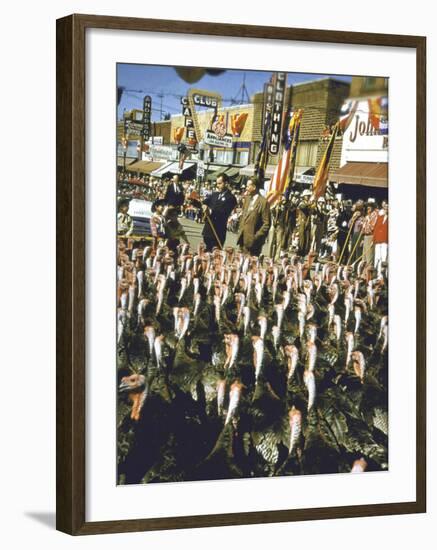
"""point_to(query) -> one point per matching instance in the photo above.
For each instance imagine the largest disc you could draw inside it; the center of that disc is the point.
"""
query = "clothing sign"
(277, 110)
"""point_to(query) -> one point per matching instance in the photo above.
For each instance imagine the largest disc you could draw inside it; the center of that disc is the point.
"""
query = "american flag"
(285, 168)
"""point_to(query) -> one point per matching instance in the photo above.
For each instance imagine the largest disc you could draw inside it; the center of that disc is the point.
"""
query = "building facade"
(236, 122)
(321, 101)
(363, 169)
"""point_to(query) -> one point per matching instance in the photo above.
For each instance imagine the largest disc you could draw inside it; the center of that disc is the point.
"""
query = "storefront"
(249, 170)
(363, 168)
(359, 180)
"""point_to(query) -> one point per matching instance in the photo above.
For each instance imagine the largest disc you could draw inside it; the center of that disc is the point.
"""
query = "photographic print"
(252, 273)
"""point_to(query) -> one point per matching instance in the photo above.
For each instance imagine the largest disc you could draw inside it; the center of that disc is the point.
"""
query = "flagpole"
(213, 229)
(355, 246)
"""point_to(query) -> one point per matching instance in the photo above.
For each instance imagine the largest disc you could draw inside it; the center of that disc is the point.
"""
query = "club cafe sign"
(202, 98)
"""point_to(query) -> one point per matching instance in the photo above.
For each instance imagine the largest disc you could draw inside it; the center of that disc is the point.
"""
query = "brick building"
(239, 153)
(321, 101)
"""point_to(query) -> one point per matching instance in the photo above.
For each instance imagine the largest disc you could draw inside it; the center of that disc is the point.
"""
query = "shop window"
(307, 153)
(242, 158)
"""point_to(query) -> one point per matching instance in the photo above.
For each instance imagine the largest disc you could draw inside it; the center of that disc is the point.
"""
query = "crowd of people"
(329, 227)
(341, 230)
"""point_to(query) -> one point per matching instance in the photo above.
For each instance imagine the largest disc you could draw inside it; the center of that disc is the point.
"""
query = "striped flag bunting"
(285, 168)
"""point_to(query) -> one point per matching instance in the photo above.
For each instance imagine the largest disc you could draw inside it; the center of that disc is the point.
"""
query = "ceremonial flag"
(294, 139)
(285, 168)
(321, 177)
(263, 154)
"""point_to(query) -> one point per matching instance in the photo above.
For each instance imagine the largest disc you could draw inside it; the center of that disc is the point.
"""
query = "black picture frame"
(71, 248)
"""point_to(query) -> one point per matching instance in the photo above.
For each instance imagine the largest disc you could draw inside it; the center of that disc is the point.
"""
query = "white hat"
(306, 193)
(321, 199)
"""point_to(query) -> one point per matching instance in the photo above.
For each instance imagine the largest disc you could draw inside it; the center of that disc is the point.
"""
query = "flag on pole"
(294, 138)
(321, 177)
(285, 169)
(263, 154)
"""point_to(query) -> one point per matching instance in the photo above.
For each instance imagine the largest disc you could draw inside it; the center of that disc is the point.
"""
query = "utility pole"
(160, 95)
(242, 94)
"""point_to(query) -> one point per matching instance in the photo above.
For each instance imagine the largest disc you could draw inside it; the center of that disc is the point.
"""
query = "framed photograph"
(240, 274)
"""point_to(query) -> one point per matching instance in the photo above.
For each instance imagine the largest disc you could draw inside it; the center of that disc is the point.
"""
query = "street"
(194, 234)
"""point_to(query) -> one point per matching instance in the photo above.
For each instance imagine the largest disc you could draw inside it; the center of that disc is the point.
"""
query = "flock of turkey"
(231, 366)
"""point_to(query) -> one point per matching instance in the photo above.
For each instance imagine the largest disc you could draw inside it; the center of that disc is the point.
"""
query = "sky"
(153, 80)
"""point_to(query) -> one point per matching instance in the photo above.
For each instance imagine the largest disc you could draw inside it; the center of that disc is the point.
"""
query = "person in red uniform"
(380, 235)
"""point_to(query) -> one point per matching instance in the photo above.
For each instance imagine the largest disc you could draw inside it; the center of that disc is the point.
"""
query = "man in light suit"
(255, 220)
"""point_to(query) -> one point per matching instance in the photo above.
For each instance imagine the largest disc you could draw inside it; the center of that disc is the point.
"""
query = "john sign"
(366, 136)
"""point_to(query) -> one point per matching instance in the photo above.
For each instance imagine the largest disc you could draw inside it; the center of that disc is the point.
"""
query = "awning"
(212, 176)
(129, 160)
(144, 166)
(304, 175)
(231, 171)
(172, 168)
(373, 174)
(249, 170)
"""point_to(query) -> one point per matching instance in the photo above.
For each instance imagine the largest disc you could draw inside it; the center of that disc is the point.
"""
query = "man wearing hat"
(304, 222)
(284, 224)
(368, 227)
(218, 206)
(356, 222)
(380, 235)
(255, 220)
(125, 224)
(318, 222)
(157, 223)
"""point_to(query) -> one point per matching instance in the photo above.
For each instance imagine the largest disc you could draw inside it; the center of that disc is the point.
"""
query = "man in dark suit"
(255, 220)
(218, 206)
(174, 194)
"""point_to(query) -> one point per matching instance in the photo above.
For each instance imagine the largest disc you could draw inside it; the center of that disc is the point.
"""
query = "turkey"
(234, 366)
